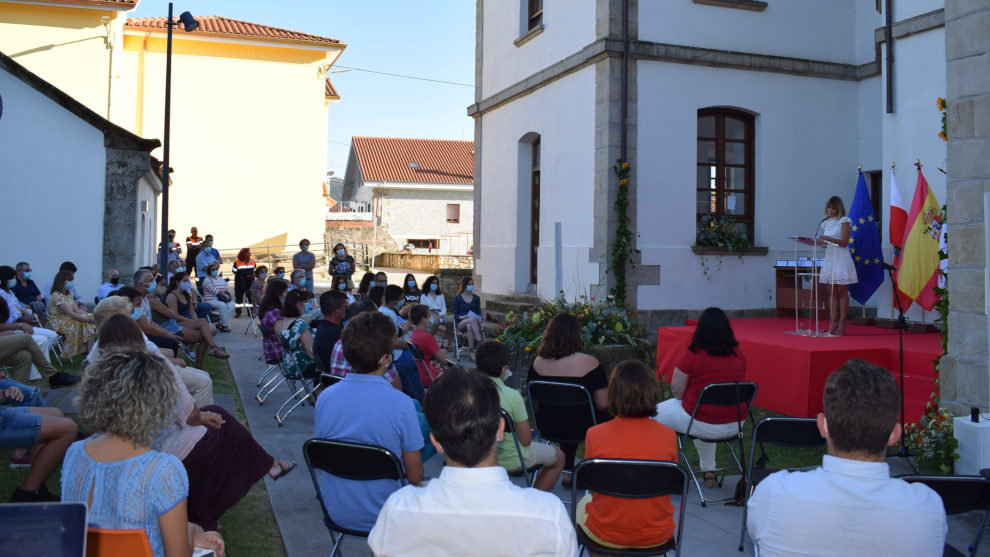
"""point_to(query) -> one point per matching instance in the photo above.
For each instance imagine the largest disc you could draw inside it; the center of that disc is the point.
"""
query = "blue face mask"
(180, 269)
(185, 286)
(411, 283)
(281, 275)
(69, 284)
(308, 307)
(137, 313)
(304, 248)
(214, 273)
(27, 275)
(469, 288)
(400, 304)
(263, 276)
(342, 286)
(381, 283)
(434, 287)
(12, 283)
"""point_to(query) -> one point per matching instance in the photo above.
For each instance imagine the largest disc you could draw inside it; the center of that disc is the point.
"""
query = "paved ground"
(709, 531)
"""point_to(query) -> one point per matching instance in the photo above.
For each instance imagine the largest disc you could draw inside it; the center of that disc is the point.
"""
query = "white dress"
(838, 267)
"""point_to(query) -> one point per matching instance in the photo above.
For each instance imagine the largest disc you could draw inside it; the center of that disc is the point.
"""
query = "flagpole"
(892, 184)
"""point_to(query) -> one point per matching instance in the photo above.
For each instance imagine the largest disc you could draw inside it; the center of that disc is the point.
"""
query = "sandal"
(284, 467)
(218, 352)
(711, 480)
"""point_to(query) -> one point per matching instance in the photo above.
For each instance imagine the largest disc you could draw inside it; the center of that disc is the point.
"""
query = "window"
(453, 213)
(430, 244)
(725, 166)
(535, 14)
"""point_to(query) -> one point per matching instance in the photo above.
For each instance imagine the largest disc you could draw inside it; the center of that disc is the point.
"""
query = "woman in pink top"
(712, 357)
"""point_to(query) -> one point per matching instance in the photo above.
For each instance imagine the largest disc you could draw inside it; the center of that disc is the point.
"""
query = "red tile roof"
(387, 159)
(118, 4)
(331, 91)
(224, 26)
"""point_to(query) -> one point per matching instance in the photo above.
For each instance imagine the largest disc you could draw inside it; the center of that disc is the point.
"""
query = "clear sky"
(433, 40)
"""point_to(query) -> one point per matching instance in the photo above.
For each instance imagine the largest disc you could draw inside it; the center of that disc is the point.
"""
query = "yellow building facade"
(249, 107)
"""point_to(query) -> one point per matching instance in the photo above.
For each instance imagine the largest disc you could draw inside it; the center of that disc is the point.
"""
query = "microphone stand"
(901, 326)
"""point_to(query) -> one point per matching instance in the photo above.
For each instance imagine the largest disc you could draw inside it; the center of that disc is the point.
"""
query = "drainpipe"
(888, 37)
(625, 77)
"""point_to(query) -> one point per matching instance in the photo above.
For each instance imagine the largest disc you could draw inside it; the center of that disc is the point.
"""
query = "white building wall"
(148, 229)
(814, 29)
(569, 26)
(806, 150)
(422, 214)
(562, 113)
(52, 180)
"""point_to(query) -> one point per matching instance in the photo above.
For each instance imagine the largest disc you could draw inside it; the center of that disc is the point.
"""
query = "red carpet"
(791, 370)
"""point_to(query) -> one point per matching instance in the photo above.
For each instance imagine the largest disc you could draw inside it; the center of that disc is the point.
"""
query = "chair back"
(788, 431)
(427, 372)
(510, 428)
(349, 461)
(736, 393)
(959, 494)
(563, 412)
(632, 479)
(106, 542)
(290, 366)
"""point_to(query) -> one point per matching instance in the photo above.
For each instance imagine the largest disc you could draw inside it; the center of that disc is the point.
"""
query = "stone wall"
(124, 169)
(450, 283)
(424, 262)
(964, 380)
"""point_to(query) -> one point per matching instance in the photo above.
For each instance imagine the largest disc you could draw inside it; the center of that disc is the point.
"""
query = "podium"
(814, 301)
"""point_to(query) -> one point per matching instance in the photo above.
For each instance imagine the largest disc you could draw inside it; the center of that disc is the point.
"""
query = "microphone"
(888, 266)
(825, 218)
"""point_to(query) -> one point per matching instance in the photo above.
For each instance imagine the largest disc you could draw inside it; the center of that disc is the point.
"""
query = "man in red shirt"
(434, 357)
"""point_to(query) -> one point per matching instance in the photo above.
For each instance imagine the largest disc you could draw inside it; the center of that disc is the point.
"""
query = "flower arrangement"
(624, 245)
(720, 232)
(602, 322)
(930, 440)
(944, 133)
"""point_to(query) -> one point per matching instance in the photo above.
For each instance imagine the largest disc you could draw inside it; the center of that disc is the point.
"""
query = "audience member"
(304, 261)
(467, 312)
(712, 357)
(270, 311)
(342, 264)
(340, 284)
(377, 295)
(127, 397)
(19, 351)
(560, 358)
(340, 367)
(47, 292)
(433, 298)
(472, 508)
(111, 282)
(207, 256)
(851, 505)
(181, 302)
(21, 317)
(620, 523)
(138, 296)
(410, 290)
(26, 290)
(492, 359)
(67, 318)
(257, 290)
(381, 279)
(299, 340)
(333, 306)
(434, 357)
(279, 272)
(363, 408)
(367, 281)
(402, 358)
(244, 267)
(16, 394)
(47, 432)
(174, 266)
(193, 246)
(217, 294)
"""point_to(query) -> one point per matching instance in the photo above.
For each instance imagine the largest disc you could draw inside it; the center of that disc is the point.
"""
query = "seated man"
(492, 359)
(851, 505)
(364, 408)
(26, 290)
(49, 434)
(472, 508)
(340, 367)
(333, 307)
(47, 292)
(19, 351)
(111, 282)
(206, 256)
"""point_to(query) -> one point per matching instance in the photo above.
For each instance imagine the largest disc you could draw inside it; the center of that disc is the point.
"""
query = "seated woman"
(65, 316)
(712, 357)
(220, 457)
(410, 293)
(433, 298)
(270, 311)
(278, 272)
(377, 295)
(620, 523)
(466, 303)
(127, 397)
(296, 331)
(342, 264)
(217, 294)
(258, 288)
(559, 358)
(340, 284)
(21, 317)
(367, 281)
(182, 304)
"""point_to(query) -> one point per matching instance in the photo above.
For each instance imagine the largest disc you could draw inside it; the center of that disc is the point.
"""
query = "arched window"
(725, 184)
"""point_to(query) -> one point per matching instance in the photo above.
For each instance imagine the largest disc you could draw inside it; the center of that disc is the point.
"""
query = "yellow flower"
(528, 349)
(625, 166)
(942, 135)
(623, 182)
(941, 104)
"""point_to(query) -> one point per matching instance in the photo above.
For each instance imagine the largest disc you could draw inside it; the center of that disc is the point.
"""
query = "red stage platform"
(791, 370)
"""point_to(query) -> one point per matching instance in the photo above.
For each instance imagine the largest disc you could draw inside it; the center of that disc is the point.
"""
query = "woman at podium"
(838, 268)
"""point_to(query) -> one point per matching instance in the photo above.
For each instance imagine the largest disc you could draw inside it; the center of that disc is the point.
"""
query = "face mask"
(411, 283)
(27, 275)
(180, 269)
(185, 286)
(469, 288)
(69, 284)
(137, 313)
(214, 273)
(342, 286)
(434, 287)
(160, 291)
(281, 275)
(207, 244)
(307, 307)
(12, 283)
(304, 248)
(383, 284)
(341, 252)
(400, 304)
(114, 281)
(263, 276)
(282, 300)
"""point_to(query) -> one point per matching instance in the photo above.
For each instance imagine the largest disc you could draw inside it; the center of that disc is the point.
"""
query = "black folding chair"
(630, 479)
(349, 461)
(960, 494)
(529, 473)
(783, 431)
(272, 376)
(735, 394)
(293, 371)
(563, 412)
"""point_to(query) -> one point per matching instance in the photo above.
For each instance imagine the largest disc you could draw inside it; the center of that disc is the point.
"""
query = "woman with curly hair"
(127, 397)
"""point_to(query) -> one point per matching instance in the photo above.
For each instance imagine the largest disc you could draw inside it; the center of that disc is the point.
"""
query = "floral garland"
(944, 133)
(623, 247)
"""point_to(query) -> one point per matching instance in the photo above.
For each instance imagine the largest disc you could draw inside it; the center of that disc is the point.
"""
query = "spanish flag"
(918, 273)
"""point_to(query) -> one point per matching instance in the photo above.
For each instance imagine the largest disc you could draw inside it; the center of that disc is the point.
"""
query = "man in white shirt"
(850, 506)
(472, 508)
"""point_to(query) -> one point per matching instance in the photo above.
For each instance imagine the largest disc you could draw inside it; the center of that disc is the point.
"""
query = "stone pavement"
(710, 531)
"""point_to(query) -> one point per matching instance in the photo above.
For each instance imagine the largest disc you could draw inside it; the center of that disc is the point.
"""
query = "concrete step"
(504, 304)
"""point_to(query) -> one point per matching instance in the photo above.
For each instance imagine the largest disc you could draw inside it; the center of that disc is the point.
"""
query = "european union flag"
(864, 245)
